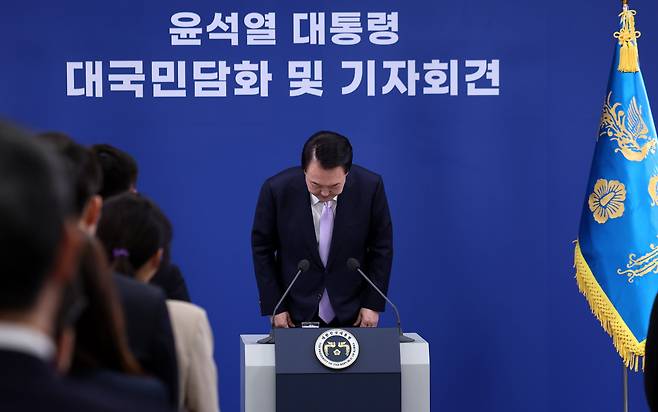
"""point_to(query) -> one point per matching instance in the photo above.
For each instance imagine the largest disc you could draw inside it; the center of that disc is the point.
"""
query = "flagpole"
(625, 6)
(625, 387)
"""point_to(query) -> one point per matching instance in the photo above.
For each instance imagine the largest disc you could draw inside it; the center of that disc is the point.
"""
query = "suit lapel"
(307, 229)
(344, 210)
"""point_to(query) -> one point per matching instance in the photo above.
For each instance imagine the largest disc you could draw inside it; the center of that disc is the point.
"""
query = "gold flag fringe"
(627, 36)
(623, 339)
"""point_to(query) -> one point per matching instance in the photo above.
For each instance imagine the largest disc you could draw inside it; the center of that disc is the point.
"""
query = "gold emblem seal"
(336, 348)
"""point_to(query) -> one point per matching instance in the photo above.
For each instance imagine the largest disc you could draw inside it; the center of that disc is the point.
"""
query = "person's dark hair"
(34, 202)
(167, 235)
(131, 231)
(100, 336)
(120, 170)
(169, 277)
(81, 166)
(330, 149)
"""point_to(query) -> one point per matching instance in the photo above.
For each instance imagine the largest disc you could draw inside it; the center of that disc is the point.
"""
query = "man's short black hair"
(119, 170)
(34, 201)
(81, 167)
(330, 149)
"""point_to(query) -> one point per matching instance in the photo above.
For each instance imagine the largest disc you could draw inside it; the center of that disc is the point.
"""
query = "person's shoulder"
(123, 392)
(190, 325)
(186, 310)
(285, 176)
(363, 175)
(130, 288)
(71, 397)
(186, 306)
(170, 279)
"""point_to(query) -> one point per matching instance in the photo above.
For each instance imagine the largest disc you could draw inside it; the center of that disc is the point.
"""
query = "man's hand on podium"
(367, 318)
(283, 320)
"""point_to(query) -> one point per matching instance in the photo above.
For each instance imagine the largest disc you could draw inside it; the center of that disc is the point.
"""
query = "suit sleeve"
(201, 387)
(379, 250)
(164, 363)
(264, 244)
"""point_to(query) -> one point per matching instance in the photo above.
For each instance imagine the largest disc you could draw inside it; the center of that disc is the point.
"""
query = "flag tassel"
(631, 351)
(627, 36)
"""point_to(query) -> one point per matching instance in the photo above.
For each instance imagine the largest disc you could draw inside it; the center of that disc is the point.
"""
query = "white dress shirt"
(316, 208)
(18, 338)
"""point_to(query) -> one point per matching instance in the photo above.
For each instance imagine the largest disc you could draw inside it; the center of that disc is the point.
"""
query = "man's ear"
(65, 264)
(92, 214)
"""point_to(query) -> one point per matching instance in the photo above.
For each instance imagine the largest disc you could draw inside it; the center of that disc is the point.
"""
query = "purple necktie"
(325, 311)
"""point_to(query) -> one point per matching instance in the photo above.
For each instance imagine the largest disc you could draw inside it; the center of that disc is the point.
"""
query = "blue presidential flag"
(616, 255)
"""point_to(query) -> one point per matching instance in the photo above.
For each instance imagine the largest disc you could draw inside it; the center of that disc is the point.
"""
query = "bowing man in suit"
(326, 211)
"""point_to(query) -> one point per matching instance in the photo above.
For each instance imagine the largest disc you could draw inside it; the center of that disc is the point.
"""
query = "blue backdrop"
(485, 191)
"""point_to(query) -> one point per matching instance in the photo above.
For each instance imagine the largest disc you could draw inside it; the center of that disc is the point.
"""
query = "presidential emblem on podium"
(336, 348)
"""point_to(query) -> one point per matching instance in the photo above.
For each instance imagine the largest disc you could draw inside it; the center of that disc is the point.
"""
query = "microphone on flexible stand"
(302, 266)
(353, 264)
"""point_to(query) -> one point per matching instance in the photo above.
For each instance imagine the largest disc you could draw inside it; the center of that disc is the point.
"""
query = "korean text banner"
(478, 115)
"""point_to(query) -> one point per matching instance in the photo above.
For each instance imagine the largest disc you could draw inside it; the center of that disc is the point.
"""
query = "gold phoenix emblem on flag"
(607, 200)
(628, 129)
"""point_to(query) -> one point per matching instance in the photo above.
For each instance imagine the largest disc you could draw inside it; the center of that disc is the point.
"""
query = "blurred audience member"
(147, 322)
(93, 347)
(194, 344)
(169, 277)
(84, 175)
(38, 254)
(120, 172)
(133, 236)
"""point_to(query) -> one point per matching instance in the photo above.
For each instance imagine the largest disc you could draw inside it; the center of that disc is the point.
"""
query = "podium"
(383, 377)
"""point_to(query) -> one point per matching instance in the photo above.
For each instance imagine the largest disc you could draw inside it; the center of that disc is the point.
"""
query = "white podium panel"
(257, 375)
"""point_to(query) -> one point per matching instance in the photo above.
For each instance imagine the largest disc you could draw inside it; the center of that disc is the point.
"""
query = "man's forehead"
(326, 177)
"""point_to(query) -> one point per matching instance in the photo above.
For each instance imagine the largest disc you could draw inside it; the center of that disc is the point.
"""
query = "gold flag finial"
(627, 36)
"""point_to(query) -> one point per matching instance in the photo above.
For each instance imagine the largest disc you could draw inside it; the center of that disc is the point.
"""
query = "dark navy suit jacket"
(149, 331)
(170, 279)
(29, 384)
(283, 234)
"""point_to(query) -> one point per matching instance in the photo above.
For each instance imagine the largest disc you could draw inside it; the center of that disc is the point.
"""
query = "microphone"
(302, 266)
(354, 265)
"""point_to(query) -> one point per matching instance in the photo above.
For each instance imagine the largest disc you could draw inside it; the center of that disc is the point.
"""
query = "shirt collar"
(315, 200)
(18, 338)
